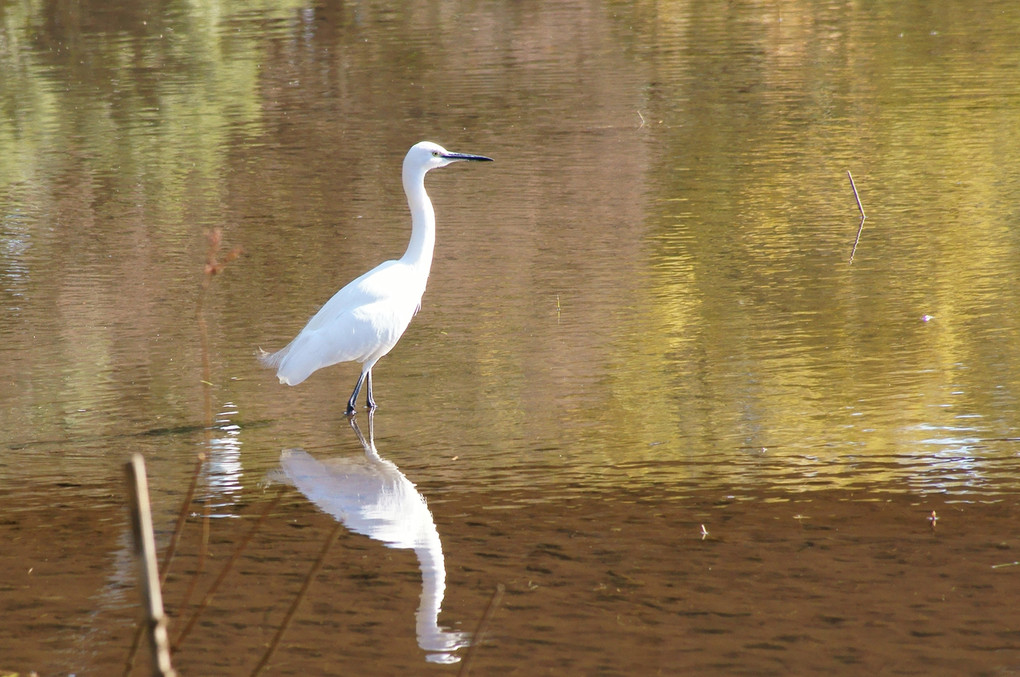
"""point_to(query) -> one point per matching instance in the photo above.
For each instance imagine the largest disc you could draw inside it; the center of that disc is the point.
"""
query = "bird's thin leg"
(368, 446)
(357, 431)
(371, 400)
(357, 389)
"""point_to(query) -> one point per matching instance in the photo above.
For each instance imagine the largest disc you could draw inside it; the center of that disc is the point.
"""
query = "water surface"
(647, 393)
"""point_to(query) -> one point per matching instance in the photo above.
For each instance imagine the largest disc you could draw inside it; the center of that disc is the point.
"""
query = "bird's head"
(426, 155)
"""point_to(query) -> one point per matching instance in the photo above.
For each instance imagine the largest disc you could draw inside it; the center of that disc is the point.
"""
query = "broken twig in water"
(333, 534)
(490, 609)
(203, 551)
(145, 547)
(860, 228)
(213, 266)
(171, 549)
(225, 570)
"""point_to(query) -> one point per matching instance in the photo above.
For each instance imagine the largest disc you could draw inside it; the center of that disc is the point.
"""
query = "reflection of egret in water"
(370, 496)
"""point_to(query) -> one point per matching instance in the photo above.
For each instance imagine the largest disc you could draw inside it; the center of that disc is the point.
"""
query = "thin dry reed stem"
(860, 228)
(148, 572)
(483, 624)
(225, 570)
(297, 600)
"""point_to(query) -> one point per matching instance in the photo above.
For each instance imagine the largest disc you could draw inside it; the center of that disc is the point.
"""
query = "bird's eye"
(435, 153)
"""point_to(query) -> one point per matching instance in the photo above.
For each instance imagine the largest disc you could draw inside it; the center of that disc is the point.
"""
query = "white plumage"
(365, 319)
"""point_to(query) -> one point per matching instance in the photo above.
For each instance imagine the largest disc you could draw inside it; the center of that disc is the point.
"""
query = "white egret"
(365, 319)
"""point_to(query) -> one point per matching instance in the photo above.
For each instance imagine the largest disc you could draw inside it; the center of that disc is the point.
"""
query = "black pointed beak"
(466, 156)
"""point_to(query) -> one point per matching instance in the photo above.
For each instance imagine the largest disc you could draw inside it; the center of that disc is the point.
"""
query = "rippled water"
(647, 393)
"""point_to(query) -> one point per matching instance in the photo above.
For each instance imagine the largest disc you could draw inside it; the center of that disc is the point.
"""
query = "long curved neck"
(423, 222)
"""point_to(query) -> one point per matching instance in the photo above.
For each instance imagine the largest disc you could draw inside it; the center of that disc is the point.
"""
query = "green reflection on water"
(661, 268)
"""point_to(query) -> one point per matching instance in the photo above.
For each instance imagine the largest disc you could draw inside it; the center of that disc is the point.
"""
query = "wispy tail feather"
(273, 361)
(268, 359)
(298, 359)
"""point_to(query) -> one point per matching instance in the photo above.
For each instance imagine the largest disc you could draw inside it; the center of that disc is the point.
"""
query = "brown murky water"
(646, 392)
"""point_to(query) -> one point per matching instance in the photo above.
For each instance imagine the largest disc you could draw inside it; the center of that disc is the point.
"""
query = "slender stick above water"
(145, 547)
(860, 228)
